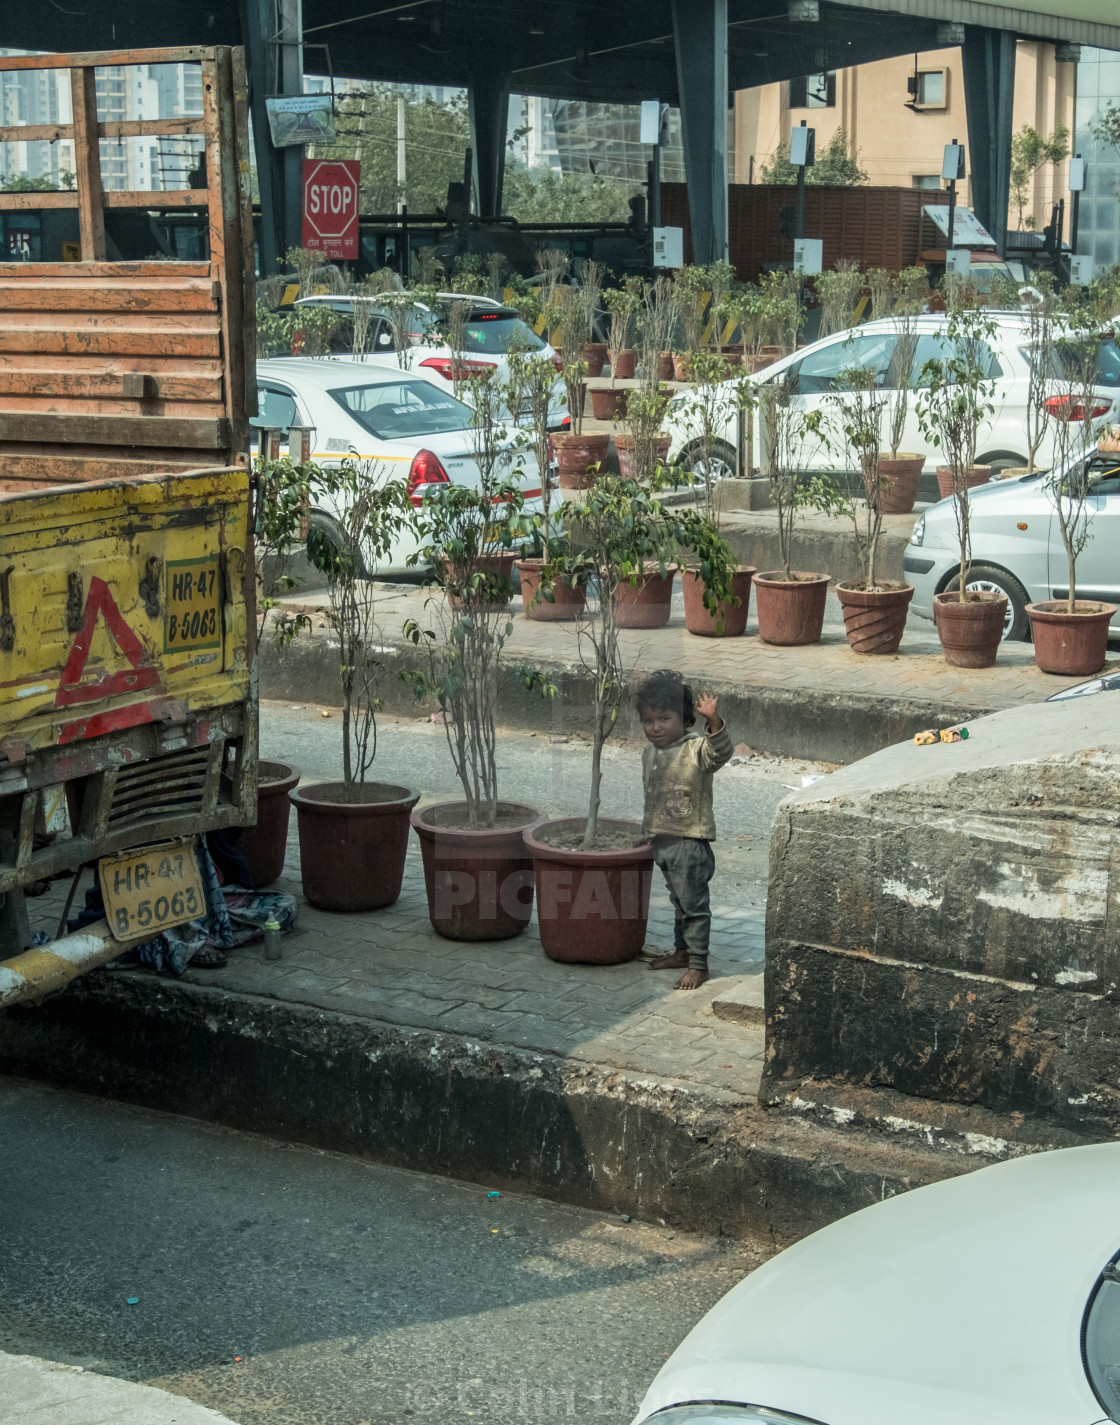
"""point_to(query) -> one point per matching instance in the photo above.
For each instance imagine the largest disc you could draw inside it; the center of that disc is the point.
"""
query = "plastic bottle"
(272, 946)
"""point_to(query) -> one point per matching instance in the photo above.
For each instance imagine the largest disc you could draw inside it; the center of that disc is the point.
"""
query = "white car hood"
(958, 1304)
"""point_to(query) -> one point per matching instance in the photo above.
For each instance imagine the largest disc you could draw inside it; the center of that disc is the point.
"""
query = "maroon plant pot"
(731, 619)
(608, 403)
(592, 906)
(665, 367)
(624, 448)
(875, 622)
(790, 612)
(971, 632)
(899, 479)
(479, 883)
(978, 475)
(566, 602)
(648, 603)
(264, 845)
(1073, 644)
(500, 568)
(595, 354)
(579, 458)
(682, 366)
(757, 361)
(625, 366)
(351, 853)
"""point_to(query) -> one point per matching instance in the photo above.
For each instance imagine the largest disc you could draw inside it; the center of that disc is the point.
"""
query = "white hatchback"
(381, 414)
(989, 1299)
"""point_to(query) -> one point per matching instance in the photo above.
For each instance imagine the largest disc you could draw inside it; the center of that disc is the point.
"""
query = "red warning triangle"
(126, 680)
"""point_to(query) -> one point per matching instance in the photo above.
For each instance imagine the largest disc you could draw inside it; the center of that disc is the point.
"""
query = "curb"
(31, 1388)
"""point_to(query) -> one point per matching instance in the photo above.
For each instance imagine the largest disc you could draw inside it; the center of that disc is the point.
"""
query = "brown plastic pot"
(624, 367)
(351, 853)
(1068, 643)
(665, 367)
(874, 622)
(757, 361)
(790, 612)
(970, 633)
(899, 477)
(265, 844)
(579, 458)
(595, 354)
(624, 448)
(682, 366)
(731, 619)
(479, 883)
(648, 603)
(592, 906)
(566, 602)
(500, 568)
(978, 475)
(608, 403)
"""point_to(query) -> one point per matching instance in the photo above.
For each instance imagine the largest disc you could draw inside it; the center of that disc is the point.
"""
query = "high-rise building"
(1098, 86)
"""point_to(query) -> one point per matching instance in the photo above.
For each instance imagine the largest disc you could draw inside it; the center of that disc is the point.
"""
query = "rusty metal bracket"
(75, 603)
(151, 585)
(7, 622)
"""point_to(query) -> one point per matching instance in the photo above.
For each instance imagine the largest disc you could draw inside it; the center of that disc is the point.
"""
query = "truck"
(128, 706)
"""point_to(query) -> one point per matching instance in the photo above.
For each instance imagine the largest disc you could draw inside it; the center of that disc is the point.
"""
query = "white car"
(382, 414)
(814, 371)
(490, 331)
(1017, 546)
(989, 1299)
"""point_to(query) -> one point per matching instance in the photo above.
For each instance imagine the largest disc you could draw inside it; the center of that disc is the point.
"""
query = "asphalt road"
(554, 776)
(284, 1286)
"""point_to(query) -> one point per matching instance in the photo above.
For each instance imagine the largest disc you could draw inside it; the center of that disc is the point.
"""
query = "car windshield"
(1100, 1335)
(403, 410)
(493, 333)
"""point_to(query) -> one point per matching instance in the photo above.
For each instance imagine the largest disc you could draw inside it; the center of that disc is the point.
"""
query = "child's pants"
(687, 863)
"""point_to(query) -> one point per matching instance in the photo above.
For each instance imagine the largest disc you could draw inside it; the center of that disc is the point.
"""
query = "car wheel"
(1001, 460)
(325, 542)
(986, 579)
(722, 460)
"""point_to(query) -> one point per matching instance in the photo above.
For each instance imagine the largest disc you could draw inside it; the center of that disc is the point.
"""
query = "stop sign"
(330, 207)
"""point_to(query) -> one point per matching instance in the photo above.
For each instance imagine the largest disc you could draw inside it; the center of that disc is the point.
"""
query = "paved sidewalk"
(35, 1392)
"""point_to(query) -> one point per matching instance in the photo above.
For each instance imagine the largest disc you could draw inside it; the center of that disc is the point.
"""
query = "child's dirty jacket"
(677, 781)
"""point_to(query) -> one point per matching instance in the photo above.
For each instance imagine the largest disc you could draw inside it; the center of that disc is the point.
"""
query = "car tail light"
(426, 469)
(1069, 408)
(446, 367)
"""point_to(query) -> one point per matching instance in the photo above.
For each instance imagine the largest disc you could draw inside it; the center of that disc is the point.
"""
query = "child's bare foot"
(691, 980)
(678, 960)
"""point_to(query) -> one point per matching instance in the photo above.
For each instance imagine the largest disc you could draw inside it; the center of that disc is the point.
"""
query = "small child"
(677, 770)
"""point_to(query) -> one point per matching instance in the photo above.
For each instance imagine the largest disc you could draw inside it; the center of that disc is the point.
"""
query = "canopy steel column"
(273, 30)
(488, 105)
(700, 40)
(989, 91)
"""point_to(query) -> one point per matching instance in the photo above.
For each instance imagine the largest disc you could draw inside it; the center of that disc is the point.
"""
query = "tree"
(837, 166)
(20, 183)
(1030, 150)
(1107, 128)
(541, 195)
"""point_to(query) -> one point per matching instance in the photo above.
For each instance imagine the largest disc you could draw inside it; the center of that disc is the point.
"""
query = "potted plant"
(690, 288)
(874, 611)
(644, 446)
(956, 396)
(593, 873)
(716, 598)
(578, 456)
(1071, 635)
(353, 834)
(900, 471)
(622, 304)
(476, 871)
(594, 352)
(838, 292)
(781, 314)
(790, 602)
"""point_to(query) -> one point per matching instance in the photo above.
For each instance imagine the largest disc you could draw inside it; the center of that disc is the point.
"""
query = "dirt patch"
(458, 816)
(360, 794)
(571, 839)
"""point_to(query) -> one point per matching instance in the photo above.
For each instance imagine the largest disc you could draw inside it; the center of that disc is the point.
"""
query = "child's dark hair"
(666, 689)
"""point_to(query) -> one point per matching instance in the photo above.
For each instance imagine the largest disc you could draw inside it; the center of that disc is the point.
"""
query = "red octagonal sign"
(330, 207)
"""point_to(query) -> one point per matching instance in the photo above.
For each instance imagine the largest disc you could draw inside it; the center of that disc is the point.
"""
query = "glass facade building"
(1098, 85)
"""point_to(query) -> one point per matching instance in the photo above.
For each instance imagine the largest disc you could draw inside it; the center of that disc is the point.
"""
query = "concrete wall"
(945, 921)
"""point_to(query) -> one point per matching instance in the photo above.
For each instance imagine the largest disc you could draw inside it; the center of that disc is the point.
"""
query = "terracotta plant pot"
(757, 361)
(665, 366)
(566, 602)
(479, 883)
(351, 853)
(624, 367)
(970, 633)
(648, 603)
(978, 475)
(874, 622)
(265, 844)
(682, 366)
(790, 611)
(1068, 643)
(579, 458)
(499, 571)
(595, 354)
(624, 448)
(899, 488)
(608, 403)
(732, 617)
(592, 906)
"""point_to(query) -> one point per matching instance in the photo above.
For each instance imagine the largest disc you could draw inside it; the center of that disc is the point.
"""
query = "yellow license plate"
(193, 617)
(151, 890)
(493, 531)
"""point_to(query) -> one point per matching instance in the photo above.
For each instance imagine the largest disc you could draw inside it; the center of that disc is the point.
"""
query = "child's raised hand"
(707, 705)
